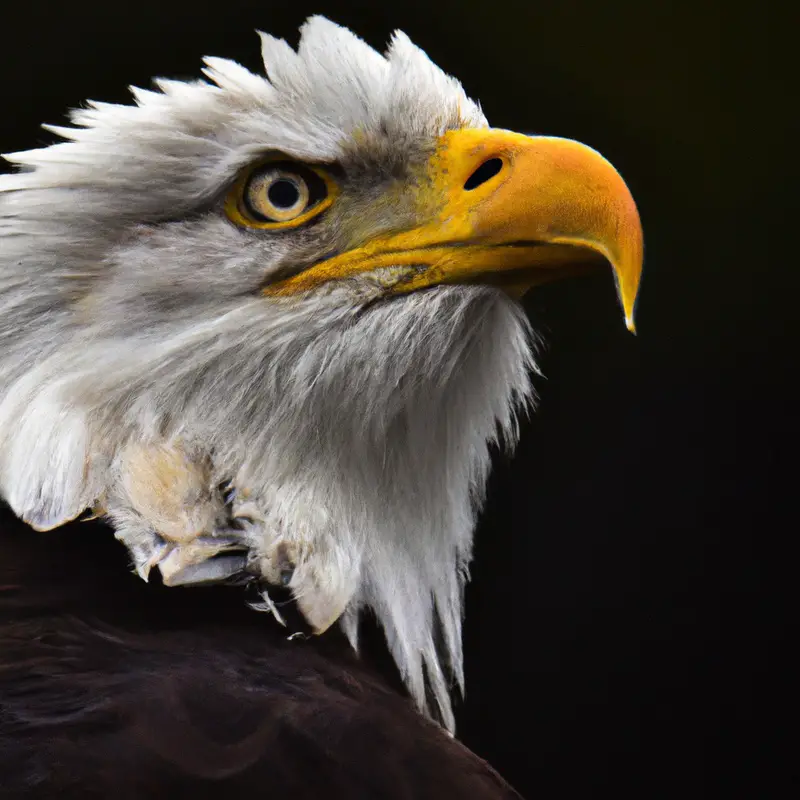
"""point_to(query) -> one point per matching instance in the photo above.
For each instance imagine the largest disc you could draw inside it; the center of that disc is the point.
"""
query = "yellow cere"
(548, 207)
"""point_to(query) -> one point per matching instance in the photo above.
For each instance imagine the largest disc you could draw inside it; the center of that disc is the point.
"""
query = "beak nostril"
(487, 170)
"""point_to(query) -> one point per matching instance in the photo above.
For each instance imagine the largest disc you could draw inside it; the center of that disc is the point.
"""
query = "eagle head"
(268, 326)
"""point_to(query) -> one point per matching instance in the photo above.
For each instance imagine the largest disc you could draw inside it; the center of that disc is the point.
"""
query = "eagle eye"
(279, 194)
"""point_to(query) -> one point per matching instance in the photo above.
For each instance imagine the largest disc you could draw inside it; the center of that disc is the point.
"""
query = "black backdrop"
(613, 640)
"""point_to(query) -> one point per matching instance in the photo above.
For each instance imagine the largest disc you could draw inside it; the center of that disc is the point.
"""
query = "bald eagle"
(267, 328)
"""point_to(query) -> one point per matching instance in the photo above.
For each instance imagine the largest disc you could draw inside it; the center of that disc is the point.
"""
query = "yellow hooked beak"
(506, 209)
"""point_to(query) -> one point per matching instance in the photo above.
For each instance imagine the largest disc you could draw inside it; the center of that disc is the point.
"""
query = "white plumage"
(141, 366)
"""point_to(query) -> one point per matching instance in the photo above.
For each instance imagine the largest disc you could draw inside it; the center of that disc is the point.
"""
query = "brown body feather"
(113, 688)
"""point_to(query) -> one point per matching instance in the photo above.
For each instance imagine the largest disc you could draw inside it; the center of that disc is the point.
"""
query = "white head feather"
(131, 314)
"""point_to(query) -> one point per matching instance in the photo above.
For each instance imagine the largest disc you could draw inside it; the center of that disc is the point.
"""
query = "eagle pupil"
(284, 193)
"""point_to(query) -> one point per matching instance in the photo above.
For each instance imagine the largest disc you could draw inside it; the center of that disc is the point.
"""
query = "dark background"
(615, 642)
